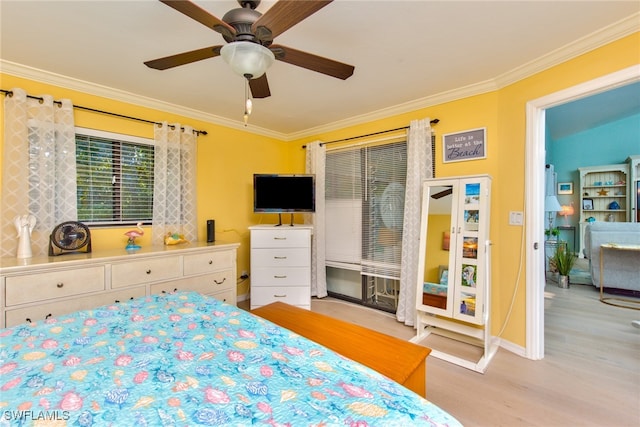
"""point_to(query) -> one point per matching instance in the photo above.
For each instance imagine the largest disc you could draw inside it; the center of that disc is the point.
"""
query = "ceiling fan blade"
(442, 193)
(183, 58)
(283, 15)
(202, 16)
(260, 87)
(312, 62)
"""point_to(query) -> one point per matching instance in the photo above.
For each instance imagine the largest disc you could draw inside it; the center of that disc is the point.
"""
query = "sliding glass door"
(365, 189)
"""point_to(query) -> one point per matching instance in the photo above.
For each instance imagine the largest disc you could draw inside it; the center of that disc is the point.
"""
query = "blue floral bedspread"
(187, 359)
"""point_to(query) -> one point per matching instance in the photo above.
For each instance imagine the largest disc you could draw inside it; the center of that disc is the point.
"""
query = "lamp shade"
(247, 59)
(567, 210)
(551, 204)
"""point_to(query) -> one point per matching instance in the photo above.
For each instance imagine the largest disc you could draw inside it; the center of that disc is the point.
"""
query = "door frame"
(535, 189)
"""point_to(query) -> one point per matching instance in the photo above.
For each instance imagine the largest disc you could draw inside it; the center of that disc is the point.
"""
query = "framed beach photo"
(587, 204)
(565, 188)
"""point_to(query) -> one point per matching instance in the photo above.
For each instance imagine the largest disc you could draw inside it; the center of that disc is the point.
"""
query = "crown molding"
(618, 30)
(23, 71)
(623, 28)
(407, 107)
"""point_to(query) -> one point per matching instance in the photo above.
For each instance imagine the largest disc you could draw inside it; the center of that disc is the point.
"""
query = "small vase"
(563, 282)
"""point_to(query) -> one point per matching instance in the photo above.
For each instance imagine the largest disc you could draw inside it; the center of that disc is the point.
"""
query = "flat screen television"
(278, 193)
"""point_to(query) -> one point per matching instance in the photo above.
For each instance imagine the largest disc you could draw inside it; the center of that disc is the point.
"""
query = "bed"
(188, 359)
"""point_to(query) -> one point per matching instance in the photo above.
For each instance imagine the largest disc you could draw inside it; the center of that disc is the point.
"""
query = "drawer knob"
(210, 261)
(149, 271)
(279, 257)
(28, 319)
(280, 296)
(221, 282)
(48, 315)
(117, 301)
(279, 238)
(59, 285)
(279, 277)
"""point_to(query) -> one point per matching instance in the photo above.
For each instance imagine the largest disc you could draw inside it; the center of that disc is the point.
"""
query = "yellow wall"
(503, 114)
(227, 159)
(438, 225)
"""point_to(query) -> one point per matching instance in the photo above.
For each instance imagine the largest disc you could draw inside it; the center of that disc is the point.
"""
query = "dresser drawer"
(208, 262)
(41, 312)
(294, 295)
(281, 276)
(206, 284)
(228, 296)
(145, 271)
(279, 238)
(56, 284)
(296, 257)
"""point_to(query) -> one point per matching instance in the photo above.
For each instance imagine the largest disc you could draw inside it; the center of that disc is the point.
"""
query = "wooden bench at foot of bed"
(399, 360)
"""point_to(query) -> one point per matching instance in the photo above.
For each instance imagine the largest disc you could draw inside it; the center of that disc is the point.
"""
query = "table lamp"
(551, 206)
(567, 211)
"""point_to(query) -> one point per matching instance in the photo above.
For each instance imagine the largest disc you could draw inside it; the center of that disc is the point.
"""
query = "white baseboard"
(513, 348)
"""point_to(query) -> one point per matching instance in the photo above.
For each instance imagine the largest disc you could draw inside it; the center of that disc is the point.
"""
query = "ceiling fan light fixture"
(247, 59)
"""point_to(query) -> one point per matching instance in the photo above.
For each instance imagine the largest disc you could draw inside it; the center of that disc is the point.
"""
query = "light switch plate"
(515, 218)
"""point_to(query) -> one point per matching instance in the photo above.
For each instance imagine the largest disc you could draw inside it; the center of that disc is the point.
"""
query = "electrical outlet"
(516, 218)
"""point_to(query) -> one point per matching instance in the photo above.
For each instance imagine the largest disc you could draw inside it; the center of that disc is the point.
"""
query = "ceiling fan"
(443, 193)
(246, 27)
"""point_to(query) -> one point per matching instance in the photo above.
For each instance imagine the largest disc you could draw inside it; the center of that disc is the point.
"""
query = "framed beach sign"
(466, 145)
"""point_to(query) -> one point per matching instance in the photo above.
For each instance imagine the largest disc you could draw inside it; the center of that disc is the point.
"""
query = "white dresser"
(281, 265)
(40, 287)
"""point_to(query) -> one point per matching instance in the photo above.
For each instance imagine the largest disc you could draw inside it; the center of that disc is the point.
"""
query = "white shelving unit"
(602, 188)
(634, 187)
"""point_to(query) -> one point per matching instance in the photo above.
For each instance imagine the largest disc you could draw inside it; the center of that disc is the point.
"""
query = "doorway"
(534, 194)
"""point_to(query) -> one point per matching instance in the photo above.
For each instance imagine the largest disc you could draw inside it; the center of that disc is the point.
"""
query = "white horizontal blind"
(114, 179)
(365, 205)
(343, 207)
(383, 209)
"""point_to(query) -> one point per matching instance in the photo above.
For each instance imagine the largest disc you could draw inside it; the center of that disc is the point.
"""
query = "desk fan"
(69, 237)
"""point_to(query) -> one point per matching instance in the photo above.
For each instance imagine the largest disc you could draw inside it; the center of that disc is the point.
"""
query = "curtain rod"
(79, 107)
(433, 122)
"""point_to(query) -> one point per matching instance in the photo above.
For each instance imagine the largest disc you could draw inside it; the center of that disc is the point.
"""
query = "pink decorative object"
(132, 234)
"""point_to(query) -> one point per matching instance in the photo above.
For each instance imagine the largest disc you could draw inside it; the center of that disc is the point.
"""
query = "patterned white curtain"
(419, 168)
(316, 161)
(39, 168)
(174, 191)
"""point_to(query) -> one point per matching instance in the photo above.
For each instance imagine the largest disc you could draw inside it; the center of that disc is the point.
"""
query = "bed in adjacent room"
(188, 359)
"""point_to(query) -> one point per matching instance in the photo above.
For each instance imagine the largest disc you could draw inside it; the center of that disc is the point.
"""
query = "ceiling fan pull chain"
(248, 104)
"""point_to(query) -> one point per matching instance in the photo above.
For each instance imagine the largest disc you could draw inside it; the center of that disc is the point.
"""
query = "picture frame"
(465, 145)
(587, 204)
(565, 188)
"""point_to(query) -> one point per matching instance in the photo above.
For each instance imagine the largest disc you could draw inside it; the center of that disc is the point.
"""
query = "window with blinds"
(114, 178)
(364, 195)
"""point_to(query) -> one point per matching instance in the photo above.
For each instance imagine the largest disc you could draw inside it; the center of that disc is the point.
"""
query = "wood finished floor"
(590, 375)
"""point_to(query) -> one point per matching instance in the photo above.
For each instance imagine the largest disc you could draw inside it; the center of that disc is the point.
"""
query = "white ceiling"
(406, 54)
(593, 111)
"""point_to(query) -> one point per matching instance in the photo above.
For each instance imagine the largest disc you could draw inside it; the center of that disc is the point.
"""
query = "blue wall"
(603, 145)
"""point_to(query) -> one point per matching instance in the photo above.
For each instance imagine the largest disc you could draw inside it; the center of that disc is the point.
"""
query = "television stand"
(280, 221)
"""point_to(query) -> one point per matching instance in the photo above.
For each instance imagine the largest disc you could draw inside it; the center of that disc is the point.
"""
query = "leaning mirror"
(435, 242)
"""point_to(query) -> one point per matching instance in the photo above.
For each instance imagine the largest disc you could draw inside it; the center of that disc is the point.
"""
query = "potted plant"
(551, 232)
(562, 262)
